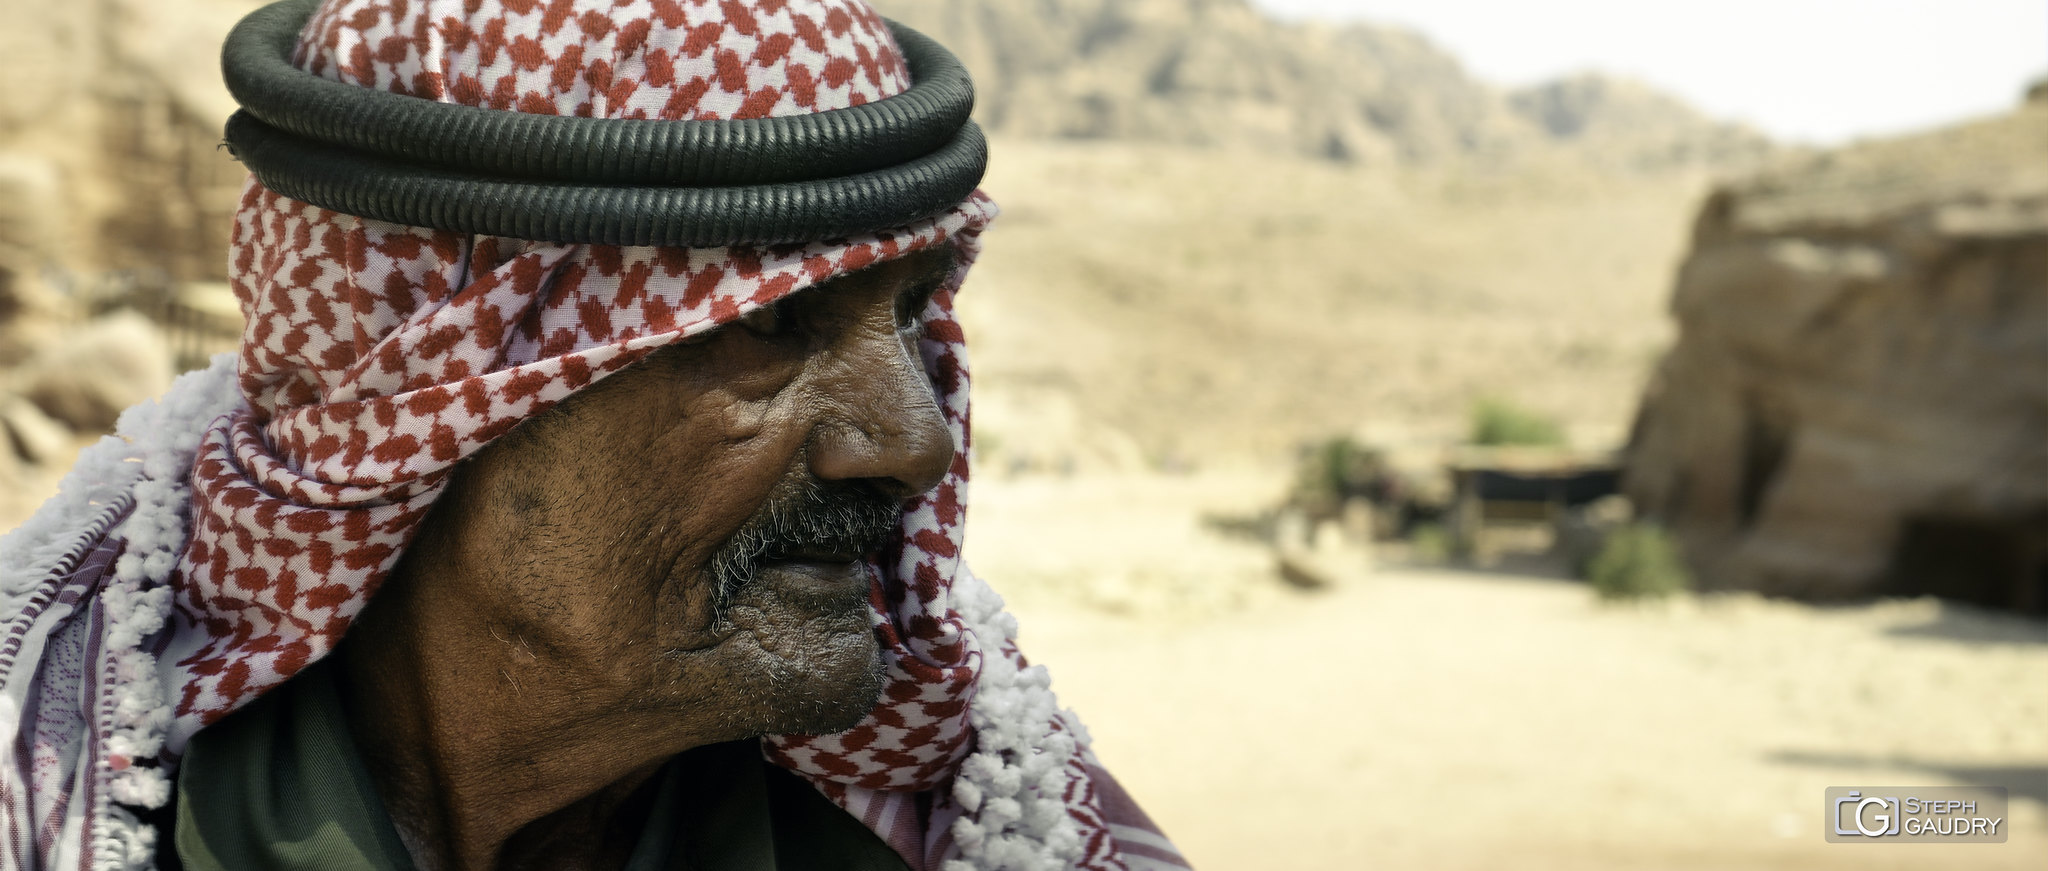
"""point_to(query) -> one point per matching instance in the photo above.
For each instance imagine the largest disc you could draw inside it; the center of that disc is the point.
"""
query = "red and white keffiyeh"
(143, 604)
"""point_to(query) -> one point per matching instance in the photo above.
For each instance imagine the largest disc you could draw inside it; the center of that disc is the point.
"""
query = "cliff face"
(1220, 73)
(1858, 400)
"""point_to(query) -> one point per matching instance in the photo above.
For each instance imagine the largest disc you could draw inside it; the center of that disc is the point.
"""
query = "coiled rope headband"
(408, 160)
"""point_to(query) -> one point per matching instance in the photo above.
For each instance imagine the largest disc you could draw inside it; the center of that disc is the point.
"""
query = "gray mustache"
(810, 516)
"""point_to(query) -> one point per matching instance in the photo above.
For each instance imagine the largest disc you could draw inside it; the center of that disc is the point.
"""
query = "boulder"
(1857, 403)
(14, 501)
(28, 205)
(85, 377)
(30, 202)
(34, 436)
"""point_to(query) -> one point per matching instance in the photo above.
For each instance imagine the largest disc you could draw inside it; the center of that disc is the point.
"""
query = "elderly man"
(588, 491)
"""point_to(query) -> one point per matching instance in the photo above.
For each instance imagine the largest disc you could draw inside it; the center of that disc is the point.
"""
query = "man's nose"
(886, 426)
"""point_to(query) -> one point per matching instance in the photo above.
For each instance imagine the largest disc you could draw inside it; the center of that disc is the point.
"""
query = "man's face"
(691, 534)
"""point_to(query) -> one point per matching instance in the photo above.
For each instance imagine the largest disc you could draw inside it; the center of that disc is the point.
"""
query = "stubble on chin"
(809, 673)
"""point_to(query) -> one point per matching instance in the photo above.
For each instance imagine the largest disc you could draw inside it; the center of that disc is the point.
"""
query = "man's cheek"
(725, 453)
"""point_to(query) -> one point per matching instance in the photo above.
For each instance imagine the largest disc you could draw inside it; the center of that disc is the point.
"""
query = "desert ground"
(1441, 718)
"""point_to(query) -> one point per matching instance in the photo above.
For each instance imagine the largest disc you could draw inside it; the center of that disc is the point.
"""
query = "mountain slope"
(1221, 73)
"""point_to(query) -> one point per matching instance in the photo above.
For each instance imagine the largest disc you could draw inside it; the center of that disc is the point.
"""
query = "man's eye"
(768, 320)
(910, 307)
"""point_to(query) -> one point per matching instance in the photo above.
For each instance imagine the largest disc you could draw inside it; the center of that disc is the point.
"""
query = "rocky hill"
(1221, 73)
(1634, 126)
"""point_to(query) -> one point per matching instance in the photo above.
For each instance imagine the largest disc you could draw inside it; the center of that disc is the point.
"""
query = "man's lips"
(834, 577)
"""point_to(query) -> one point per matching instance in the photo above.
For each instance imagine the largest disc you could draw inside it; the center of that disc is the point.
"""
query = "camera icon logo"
(1914, 815)
(1869, 816)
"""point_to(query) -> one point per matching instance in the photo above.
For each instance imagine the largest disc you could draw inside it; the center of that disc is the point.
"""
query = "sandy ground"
(1445, 719)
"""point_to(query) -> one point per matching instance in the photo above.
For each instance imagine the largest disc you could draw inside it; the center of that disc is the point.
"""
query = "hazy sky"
(1812, 70)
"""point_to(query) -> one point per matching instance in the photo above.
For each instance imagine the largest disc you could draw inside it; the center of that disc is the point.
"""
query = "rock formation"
(108, 135)
(91, 373)
(1631, 126)
(73, 383)
(1858, 400)
(1221, 73)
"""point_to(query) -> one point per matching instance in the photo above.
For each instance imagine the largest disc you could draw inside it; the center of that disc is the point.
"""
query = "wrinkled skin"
(557, 630)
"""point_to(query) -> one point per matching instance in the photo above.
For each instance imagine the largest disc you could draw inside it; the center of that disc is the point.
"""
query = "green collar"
(280, 785)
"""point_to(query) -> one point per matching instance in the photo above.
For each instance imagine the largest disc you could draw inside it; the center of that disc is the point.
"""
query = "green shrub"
(1638, 561)
(1333, 471)
(1498, 422)
(1430, 544)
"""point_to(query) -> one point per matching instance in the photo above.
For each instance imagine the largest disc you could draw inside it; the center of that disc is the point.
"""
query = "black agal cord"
(414, 161)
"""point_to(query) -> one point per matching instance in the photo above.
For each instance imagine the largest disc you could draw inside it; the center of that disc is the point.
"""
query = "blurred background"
(1416, 435)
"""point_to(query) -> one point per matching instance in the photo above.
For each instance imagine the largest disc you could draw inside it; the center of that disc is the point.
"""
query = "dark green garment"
(279, 785)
